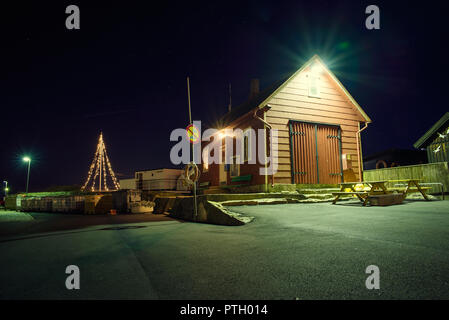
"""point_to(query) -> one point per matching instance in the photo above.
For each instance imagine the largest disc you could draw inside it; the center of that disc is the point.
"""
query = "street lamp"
(6, 187)
(27, 159)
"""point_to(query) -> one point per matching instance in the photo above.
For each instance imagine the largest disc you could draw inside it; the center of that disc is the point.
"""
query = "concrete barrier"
(208, 212)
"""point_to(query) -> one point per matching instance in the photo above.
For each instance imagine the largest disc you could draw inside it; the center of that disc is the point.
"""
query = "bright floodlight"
(317, 68)
(26, 159)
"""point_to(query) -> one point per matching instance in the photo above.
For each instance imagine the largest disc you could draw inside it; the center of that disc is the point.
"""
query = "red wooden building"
(318, 124)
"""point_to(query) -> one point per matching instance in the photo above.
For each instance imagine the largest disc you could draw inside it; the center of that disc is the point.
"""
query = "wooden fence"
(432, 172)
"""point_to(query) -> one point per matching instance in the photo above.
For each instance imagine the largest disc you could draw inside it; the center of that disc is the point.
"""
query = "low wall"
(431, 172)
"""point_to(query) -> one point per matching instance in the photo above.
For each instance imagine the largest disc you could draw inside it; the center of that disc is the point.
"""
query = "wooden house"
(318, 124)
(436, 141)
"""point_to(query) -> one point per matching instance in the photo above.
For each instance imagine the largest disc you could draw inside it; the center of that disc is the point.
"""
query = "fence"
(432, 172)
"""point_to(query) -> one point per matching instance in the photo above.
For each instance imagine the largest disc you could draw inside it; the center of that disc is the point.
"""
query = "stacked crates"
(98, 204)
(78, 204)
(11, 202)
(58, 204)
(45, 204)
(87, 204)
(25, 204)
(74, 204)
(124, 199)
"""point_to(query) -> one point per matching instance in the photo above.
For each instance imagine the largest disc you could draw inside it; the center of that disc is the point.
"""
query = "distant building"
(128, 184)
(436, 141)
(394, 158)
(157, 179)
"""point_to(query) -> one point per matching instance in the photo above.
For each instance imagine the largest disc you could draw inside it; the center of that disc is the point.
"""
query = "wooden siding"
(212, 175)
(315, 153)
(333, 107)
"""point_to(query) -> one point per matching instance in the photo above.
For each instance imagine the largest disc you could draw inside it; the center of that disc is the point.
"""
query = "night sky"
(124, 73)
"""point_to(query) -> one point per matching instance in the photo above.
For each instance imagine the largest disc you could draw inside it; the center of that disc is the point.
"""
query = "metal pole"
(188, 98)
(28, 175)
(101, 160)
(195, 208)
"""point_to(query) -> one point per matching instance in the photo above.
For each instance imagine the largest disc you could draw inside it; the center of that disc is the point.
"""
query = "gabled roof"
(431, 134)
(264, 96)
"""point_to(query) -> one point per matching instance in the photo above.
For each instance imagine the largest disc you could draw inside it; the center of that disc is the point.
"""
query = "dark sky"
(124, 72)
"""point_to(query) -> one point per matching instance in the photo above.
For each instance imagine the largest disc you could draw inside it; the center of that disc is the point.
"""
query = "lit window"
(206, 159)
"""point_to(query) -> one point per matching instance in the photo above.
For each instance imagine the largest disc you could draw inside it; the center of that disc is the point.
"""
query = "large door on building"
(315, 153)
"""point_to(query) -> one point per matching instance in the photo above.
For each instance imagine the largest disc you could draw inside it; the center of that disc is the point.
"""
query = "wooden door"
(329, 157)
(315, 151)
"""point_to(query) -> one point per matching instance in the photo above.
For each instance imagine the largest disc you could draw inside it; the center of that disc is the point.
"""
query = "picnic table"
(411, 185)
(369, 188)
(378, 187)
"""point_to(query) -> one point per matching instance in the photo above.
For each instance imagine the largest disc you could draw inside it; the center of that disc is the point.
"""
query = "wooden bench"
(402, 189)
(440, 184)
(362, 195)
(246, 178)
(204, 184)
(412, 185)
(349, 193)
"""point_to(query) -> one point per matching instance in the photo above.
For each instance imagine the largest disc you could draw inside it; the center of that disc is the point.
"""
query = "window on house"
(206, 159)
(234, 169)
(314, 88)
(247, 145)
(314, 81)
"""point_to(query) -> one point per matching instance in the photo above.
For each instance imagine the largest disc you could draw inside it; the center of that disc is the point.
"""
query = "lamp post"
(6, 187)
(27, 159)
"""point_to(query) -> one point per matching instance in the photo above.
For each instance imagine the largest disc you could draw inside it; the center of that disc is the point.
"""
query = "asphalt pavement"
(290, 251)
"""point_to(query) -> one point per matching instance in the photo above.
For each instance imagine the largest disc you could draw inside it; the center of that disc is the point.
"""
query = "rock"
(208, 212)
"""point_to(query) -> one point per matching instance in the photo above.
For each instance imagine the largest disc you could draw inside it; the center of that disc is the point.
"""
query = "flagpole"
(195, 208)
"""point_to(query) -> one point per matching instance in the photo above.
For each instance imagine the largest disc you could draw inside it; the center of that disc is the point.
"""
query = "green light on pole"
(27, 159)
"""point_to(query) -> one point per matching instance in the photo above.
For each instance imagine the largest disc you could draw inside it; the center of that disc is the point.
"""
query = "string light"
(99, 163)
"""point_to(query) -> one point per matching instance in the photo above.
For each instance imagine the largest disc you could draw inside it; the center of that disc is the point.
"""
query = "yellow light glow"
(223, 134)
(101, 160)
(317, 68)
